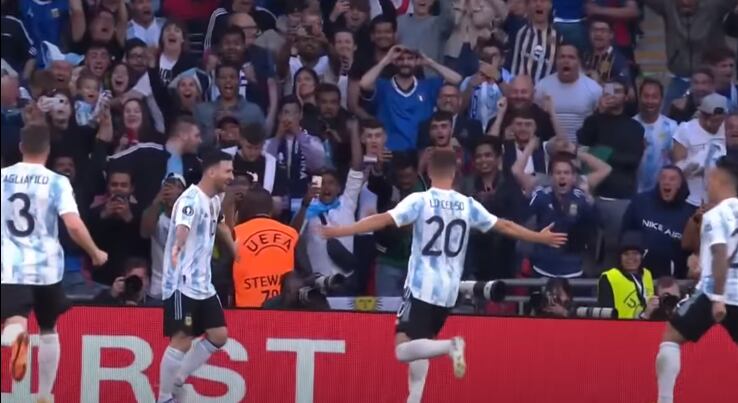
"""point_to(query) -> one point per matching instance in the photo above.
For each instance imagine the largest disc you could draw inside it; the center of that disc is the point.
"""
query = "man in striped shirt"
(534, 48)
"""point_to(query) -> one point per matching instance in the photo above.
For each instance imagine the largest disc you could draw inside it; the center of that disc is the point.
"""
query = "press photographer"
(554, 300)
(128, 289)
(662, 305)
(306, 292)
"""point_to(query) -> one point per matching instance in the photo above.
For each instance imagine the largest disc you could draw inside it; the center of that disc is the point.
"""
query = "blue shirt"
(45, 19)
(402, 112)
(573, 215)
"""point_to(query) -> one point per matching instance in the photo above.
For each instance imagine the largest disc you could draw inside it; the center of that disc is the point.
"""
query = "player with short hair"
(716, 297)
(33, 199)
(191, 305)
(442, 219)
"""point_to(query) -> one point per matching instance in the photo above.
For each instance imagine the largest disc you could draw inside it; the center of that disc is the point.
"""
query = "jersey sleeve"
(408, 210)
(186, 211)
(479, 217)
(65, 198)
(715, 230)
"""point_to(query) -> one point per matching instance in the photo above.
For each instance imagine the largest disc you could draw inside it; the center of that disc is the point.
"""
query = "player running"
(716, 296)
(442, 220)
(33, 199)
(191, 305)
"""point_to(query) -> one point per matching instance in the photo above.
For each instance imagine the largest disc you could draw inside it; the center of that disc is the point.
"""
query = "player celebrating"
(442, 220)
(191, 306)
(33, 198)
(716, 298)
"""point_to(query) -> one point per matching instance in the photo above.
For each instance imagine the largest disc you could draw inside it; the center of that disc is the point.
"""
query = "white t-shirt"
(198, 212)
(720, 226)
(573, 102)
(442, 220)
(34, 198)
(703, 149)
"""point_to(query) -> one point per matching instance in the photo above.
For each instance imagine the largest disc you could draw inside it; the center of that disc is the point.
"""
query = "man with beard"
(567, 208)
(465, 130)
(534, 47)
(382, 35)
(576, 94)
(404, 101)
(618, 140)
(658, 133)
(701, 85)
(227, 80)
(105, 26)
(699, 143)
(520, 98)
(660, 215)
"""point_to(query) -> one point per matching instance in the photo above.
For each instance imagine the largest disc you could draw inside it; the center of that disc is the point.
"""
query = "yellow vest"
(625, 293)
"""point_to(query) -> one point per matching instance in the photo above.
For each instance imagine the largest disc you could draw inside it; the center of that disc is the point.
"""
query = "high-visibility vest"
(625, 292)
(266, 251)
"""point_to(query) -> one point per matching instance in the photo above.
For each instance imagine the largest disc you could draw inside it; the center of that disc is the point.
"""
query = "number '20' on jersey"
(33, 198)
(442, 220)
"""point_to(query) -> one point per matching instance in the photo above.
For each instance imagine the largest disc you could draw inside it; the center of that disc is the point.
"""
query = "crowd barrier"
(111, 355)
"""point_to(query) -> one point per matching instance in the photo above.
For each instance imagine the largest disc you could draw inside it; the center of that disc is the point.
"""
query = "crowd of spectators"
(329, 108)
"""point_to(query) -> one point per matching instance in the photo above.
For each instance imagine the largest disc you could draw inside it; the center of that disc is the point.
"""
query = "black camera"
(326, 284)
(132, 287)
(667, 305)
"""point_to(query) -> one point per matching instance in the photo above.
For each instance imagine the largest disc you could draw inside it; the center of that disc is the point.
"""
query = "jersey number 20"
(446, 230)
(24, 214)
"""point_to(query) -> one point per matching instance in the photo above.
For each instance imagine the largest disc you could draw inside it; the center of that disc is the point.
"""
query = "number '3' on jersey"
(441, 222)
(33, 198)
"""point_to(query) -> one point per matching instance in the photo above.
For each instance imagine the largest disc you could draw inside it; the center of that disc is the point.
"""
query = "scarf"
(317, 207)
(294, 161)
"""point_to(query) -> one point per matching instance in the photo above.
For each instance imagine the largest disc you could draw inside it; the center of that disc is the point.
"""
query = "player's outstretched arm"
(368, 224)
(546, 237)
(81, 236)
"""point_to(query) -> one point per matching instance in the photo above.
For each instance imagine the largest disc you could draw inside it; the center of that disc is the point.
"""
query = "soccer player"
(33, 198)
(442, 219)
(191, 305)
(716, 297)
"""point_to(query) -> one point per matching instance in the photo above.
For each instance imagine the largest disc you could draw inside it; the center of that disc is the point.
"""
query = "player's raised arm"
(546, 237)
(81, 236)
(369, 224)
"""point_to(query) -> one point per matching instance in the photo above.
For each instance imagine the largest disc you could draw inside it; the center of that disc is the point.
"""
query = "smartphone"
(609, 89)
(370, 159)
(317, 181)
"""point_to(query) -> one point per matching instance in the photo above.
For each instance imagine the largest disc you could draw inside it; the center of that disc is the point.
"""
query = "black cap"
(631, 240)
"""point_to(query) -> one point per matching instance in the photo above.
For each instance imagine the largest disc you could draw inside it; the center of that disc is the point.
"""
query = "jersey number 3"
(23, 213)
(446, 230)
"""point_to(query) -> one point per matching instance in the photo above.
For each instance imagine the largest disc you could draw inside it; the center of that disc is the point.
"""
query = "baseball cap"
(175, 178)
(714, 104)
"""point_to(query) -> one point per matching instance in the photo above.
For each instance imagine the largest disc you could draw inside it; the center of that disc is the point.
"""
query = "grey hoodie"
(688, 36)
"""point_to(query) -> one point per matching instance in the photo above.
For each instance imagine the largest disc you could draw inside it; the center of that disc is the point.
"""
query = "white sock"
(10, 333)
(48, 362)
(668, 364)
(170, 363)
(194, 359)
(417, 370)
(421, 348)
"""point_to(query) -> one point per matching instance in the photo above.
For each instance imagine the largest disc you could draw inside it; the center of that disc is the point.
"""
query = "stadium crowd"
(330, 108)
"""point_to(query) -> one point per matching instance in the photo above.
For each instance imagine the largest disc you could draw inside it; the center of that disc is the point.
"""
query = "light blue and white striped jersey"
(33, 199)
(441, 222)
(720, 226)
(198, 212)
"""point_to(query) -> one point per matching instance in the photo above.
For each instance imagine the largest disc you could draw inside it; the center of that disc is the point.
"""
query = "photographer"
(114, 225)
(661, 306)
(298, 292)
(629, 286)
(128, 289)
(554, 300)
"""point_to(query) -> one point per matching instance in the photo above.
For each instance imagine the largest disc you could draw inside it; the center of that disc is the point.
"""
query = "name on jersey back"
(26, 179)
(447, 205)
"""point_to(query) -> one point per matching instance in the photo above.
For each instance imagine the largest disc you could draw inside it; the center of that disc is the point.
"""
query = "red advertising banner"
(112, 355)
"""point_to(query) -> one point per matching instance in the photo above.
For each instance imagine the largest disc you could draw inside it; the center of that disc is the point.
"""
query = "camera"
(326, 284)
(487, 290)
(596, 312)
(132, 287)
(667, 305)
